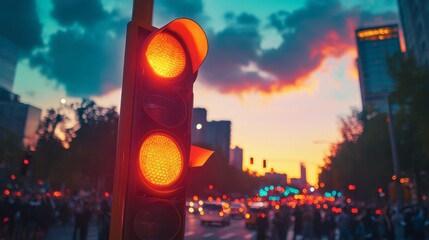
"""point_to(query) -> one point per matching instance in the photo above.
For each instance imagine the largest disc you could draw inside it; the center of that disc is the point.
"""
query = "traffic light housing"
(154, 143)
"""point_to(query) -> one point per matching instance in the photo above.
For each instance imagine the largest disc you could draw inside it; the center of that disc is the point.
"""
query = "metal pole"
(396, 168)
(143, 11)
(141, 15)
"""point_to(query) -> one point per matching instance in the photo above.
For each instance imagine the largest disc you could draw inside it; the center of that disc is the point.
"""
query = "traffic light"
(264, 163)
(25, 164)
(154, 142)
(251, 161)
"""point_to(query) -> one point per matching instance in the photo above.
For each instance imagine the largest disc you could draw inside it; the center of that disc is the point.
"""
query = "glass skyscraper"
(8, 60)
(415, 23)
(16, 118)
(375, 45)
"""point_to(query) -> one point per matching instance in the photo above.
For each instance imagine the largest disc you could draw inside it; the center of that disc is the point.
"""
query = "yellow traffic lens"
(160, 160)
(166, 56)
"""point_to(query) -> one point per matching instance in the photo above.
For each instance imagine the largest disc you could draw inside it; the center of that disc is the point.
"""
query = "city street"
(305, 120)
(193, 230)
(66, 232)
(236, 230)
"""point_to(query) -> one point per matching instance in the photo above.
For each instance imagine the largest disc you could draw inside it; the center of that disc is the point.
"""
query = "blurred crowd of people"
(31, 215)
(348, 223)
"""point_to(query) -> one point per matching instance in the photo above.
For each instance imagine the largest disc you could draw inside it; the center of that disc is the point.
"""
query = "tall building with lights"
(415, 24)
(19, 119)
(16, 118)
(236, 158)
(8, 60)
(375, 45)
(215, 135)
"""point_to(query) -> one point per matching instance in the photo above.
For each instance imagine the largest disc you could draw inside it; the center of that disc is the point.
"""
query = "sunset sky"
(282, 72)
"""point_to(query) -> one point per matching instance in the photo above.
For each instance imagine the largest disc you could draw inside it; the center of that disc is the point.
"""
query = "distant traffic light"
(264, 163)
(251, 161)
(154, 143)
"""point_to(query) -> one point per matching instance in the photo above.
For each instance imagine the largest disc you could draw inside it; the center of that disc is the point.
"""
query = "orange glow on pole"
(160, 160)
(166, 56)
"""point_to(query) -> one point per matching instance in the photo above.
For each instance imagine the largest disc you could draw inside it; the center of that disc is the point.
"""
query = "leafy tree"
(50, 157)
(362, 158)
(412, 118)
(77, 146)
(10, 154)
(94, 147)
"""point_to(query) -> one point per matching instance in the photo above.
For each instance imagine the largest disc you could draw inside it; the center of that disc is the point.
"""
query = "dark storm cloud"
(231, 49)
(87, 56)
(319, 30)
(171, 9)
(84, 12)
(309, 35)
(85, 63)
(20, 24)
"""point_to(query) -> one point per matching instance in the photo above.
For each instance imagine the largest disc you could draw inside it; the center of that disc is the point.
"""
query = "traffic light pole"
(143, 11)
(154, 153)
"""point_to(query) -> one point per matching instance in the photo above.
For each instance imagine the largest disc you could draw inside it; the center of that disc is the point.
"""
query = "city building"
(276, 178)
(236, 158)
(8, 60)
(19, 119)
(199, 124)
(215, 135)
(303, 171)
(375, 45)
(415, 24)
(302, 181)
(16, 118)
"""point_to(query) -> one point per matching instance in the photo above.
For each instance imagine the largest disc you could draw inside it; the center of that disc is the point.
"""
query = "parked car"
(215, 212)
(253, 213)
(238, 210)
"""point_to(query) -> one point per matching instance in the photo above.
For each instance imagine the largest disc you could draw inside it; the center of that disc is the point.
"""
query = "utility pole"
(396, 167)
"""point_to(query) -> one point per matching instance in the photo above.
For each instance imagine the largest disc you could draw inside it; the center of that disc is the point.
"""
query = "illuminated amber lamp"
(166, 56)
(165, 53)
(160, 160)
